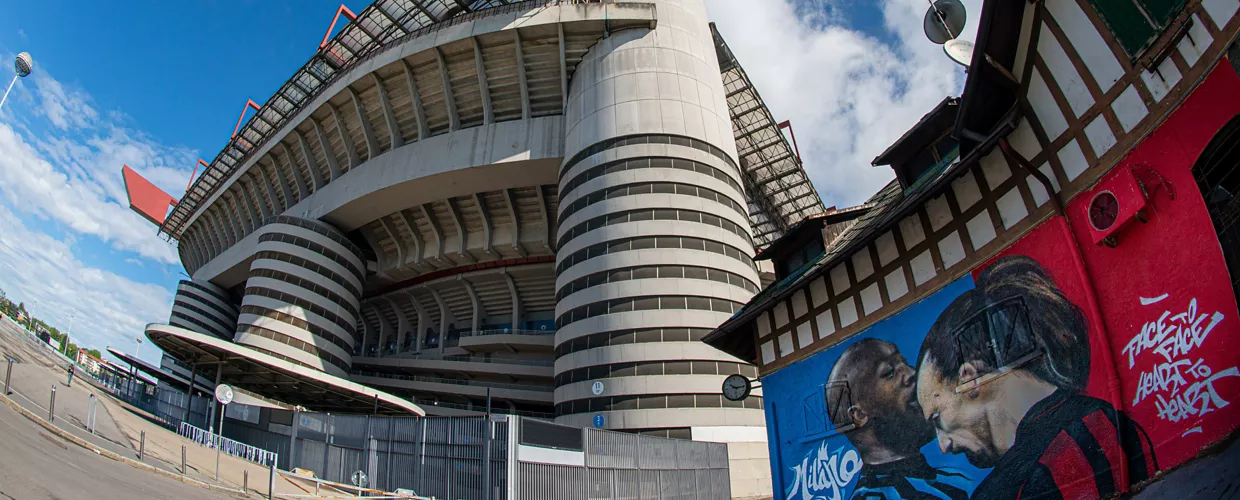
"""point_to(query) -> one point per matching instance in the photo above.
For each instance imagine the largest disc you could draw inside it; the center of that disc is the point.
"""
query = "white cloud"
(848, 94)
(69, 171)
(21, 33)
(107, 309)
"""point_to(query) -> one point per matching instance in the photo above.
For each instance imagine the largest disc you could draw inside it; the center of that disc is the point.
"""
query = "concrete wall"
(661, 87)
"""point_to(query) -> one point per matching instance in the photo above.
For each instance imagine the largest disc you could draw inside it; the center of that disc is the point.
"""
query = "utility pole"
(65, 348)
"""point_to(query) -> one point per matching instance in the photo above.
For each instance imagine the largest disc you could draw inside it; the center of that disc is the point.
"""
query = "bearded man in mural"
(885, 424)
(1001, 378)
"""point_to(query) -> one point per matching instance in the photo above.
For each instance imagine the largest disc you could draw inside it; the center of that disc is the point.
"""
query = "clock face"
(736, 387)
(1103, 210)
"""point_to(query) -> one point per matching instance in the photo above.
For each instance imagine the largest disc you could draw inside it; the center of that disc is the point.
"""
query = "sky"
(157, 85)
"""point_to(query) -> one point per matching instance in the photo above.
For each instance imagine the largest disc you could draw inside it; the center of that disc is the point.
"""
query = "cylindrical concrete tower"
(202, 307)
(654, 240)
(302, 295)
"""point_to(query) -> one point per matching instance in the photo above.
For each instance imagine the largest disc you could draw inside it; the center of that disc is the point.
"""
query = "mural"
(1000, 386)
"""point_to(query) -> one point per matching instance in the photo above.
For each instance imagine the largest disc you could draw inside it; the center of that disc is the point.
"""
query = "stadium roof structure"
(780, 193)
(379, 24)
(275, 378)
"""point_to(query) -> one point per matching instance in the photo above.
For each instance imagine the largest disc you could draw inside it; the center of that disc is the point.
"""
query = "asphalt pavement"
(36, 464)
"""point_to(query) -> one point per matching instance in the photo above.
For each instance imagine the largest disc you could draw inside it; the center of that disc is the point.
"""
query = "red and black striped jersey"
(1070, 446)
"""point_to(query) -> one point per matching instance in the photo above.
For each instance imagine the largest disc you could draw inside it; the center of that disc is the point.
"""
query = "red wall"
(1176, 255)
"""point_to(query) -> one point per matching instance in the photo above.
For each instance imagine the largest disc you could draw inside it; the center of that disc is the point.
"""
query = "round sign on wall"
(223, 394)
(599, 421)
(359, 479)
(597, 388)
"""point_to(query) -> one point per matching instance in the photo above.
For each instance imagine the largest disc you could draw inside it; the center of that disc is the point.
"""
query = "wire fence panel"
(447, 457)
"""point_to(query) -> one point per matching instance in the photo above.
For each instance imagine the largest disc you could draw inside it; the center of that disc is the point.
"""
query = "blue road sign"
(599, 420)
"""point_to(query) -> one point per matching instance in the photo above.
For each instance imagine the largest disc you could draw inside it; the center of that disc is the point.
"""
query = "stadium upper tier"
(390, 79)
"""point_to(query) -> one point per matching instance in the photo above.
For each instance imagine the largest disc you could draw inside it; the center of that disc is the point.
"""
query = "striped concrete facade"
(302, 296)
(202, 307)
(655, 243)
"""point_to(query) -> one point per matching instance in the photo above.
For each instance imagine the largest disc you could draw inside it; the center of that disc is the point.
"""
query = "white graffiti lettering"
(1181, 386)
(823, 475)
(1199, 399)
(1172, 336)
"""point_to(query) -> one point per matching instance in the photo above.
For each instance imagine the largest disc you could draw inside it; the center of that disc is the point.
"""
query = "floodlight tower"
(23, 65)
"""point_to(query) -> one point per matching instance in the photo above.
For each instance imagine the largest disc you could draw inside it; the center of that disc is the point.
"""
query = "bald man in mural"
(887, 427)
(1001, 378)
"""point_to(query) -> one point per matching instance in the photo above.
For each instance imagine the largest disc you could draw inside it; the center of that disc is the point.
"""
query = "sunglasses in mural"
(997, 337)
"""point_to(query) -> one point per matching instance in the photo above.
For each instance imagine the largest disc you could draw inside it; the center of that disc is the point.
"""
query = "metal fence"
(464, 457)
(229, 446)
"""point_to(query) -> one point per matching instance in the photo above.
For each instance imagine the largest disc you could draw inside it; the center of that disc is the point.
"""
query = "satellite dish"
(944, 20)
(960, 51)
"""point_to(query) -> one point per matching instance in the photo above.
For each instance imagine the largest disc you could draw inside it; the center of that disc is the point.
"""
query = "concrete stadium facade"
(541, 204)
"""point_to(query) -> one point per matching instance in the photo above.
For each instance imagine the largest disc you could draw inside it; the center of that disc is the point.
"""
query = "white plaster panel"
(839, 279)
(923, 267)
(1088, 43)
(1069, 81)
(781, 314)
(939, 212)
(1099, 134)
(818, 291)
(785, 344)
(847, 309)
(1039, 193)
(897, 285)
(995, 169)
(967, 192)
(981, 230)
(1024, 141)
(1193, 46)
(951, 249)
(871, 299)
(863, 265)
(887, 251)
(1011, 208)
(768, 352)
(799, 304)
(1072, 159)
(1221, 11)
(1044, 106)
(805, 334)
(1160, 80)
(1129, 108)
(912, 231)
(826, 324)
(764, 324)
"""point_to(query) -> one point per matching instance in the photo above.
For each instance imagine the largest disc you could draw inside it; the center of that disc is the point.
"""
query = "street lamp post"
(65, 348)
(23, 65)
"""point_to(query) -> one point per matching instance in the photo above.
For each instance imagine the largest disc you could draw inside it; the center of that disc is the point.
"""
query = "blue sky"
(156, 85)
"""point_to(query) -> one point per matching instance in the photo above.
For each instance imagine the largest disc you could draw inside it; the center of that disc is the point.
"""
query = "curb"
(129, 461)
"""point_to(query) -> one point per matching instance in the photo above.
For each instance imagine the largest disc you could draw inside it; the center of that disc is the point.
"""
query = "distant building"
(91, 363)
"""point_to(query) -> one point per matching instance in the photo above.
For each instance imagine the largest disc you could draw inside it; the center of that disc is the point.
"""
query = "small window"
(1137, 23)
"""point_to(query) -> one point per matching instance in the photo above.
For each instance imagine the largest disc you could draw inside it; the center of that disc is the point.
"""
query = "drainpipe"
(1091, 297)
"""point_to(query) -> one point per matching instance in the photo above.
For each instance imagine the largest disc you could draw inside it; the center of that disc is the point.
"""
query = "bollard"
(8, 375)
(141, 446)
(245, 480)
(271, 482)
(51, 407)
(182, 460)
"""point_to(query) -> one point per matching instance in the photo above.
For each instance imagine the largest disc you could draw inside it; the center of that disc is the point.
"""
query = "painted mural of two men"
(1000, 379)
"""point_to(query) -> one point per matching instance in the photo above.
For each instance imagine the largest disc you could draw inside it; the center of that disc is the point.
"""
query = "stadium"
(539, 205)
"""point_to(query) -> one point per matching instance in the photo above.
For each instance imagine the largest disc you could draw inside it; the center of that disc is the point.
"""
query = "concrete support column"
(302, 296)
(202, 307)
(679, 258)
